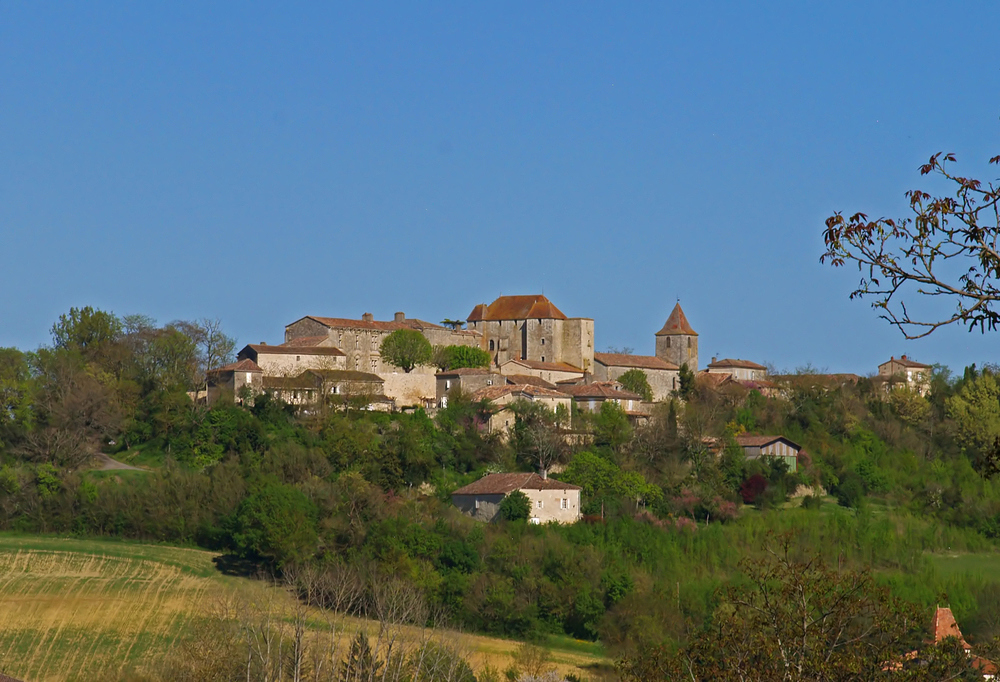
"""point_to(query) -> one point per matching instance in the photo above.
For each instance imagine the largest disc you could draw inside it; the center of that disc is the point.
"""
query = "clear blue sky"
(261, 162)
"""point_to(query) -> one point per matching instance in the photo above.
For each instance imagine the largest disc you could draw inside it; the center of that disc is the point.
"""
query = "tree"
(975, 409)
(361, 665)
(15, 395)
(685, 378)
(635, 380)
(457, 357)
(948, 248)
(515, 507)
(406, 348)
(277, 522)
(86, 330)
(796, 620)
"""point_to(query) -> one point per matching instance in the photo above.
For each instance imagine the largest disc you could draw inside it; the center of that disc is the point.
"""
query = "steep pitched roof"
(246, 365)
(945, 626)
(677, 323)
(501, 484)
(517, 308)
(641, 361)
(374, 325)
(734, 363)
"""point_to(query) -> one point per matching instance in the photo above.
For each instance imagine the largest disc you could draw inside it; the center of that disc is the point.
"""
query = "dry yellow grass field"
(92, 610)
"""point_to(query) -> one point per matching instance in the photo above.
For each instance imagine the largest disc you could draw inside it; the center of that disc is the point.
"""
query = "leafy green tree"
(515, 507)
(89, 331)
(975, 410)
(407, 348)
(685, 378)
(457, 357)
(635, 380)
(277, 522)
(15, 396)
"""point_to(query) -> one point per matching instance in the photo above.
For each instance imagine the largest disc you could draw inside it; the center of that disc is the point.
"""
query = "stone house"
(551, 501)
(360, 340)
(337, 386)
(663, 376)
(552, 372)
(677, 342)
(915, 376)
(294, 357)
(532, 328)
(590, 398)
(230, 379)
(783, 448)
(502, 396)
(739, 370)
(467, 380)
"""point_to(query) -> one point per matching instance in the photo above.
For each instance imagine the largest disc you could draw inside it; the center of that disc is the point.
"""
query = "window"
(249, 377)
(491, 345)
(477, 504)
(539, 504)
(489, 382)
(297, 358)
(668, 342)
(689, 342)
(543, 342)
(543, 358)
(447, 384)
(564, 503)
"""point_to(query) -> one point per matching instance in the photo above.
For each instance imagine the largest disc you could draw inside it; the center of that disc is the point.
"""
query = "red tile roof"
(547, 366)
(375, 325)
(246, 365)
(945, 626)
(501, 484)
(747, 440)
(906, 362)
(677, 323)
(624, 360)
(517, 308)
(291, 348)
(599, 390)
(730, 363)
(716, 380)
(495, 392)
(528, 379)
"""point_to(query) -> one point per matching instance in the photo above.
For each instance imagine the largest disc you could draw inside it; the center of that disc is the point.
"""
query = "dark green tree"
(407, 348)
(635, 380)
(515, 507)
(276, 522)
(686, 379)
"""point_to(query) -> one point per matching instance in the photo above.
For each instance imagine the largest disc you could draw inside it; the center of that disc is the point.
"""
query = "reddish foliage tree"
(753, 488)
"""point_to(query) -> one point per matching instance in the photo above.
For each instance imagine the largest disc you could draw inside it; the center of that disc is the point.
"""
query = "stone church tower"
(677, 342)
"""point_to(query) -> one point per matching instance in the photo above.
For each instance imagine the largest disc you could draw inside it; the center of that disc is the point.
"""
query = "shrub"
(515, 507)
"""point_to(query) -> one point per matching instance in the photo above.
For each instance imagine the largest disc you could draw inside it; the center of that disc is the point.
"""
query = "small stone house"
(335, 386)
(468, 380)
(739, 370)
(229, 380)
(755, 447)
(590, 398)
(906, 372)
(553, 372)
(551, 501)
(294, 357)
(502, 396)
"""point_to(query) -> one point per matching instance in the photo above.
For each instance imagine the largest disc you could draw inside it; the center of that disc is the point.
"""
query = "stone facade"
(551, 501)
(502, 396)
(334, 386)
(360, 340)
(552, 372)
(532, 328)
(739, 370)
(291, 359)
(229, 380)
(915, 376)
(663, 376)
(677, 342)
(415, 389)
(466, 380)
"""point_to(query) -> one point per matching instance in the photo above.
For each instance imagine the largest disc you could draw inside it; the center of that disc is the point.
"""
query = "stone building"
(360, 340)
(677, 342)
(467, 380)
(502, 397)
(903, 371)
(590, 398)
(551, 500)
(663, 376)
(294, 357)
(228, 380)
(338, 387)
(552, 372)
(739, 370)
(532, 328)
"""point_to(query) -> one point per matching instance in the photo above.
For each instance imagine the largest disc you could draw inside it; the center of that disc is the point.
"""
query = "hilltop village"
(536, 353)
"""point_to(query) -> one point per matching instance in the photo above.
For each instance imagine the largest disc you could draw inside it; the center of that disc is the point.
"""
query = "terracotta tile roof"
(464, 371)
(731, 363)
(751, 441)
(527, 379)
(375, 325)
(501, 484)
(547, 366)
(715, 381)
(246, 365)
(495, 392)
(642, 361)
(906, 362)
(677, 323)
(517, 308)
(599, 390)
(291, 348)
(945, 626)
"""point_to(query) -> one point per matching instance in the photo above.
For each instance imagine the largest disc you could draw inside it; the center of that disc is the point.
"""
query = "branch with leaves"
(948, 248)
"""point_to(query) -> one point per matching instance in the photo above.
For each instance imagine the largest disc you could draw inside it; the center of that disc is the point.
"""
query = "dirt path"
(107, 464)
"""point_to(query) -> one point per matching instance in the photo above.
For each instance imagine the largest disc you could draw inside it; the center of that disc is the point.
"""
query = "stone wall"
(679, 349)
(293, 364)
(662, 381)
(551, 508)
(409, 389)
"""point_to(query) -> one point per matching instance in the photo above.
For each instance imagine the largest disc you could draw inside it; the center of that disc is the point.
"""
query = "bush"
(515, 507)
(812, 502)
(276, 522)
(753, 488)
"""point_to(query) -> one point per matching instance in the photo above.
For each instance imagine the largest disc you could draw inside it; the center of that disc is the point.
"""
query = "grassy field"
(92, 610)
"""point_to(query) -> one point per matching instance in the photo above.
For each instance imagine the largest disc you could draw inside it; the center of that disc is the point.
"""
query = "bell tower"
(677, 342)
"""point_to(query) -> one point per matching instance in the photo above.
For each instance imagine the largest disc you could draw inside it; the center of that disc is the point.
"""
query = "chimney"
(367, 317)
(398, 317)
(713, 359)
(262, 343)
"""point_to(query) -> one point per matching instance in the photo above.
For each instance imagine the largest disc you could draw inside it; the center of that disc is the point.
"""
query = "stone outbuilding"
(551, 501)
(903, 371)
(739, 370)
(466, 380)
(229, 380)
